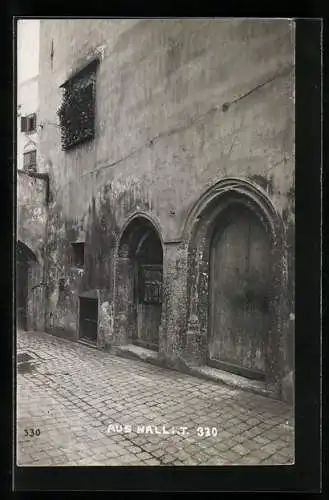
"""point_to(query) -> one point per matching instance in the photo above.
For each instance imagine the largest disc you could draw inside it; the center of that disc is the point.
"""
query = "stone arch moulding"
(29, 254)
(198, 232)
(30, 246)
(249, 192)
(140, 214)
(29, 146)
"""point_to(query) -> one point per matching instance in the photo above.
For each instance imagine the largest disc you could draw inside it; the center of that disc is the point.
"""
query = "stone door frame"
(125, 320)
(198, 232)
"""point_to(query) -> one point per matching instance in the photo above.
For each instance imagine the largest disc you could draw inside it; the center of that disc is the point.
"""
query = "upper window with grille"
(30, 160)
(29, 123)
(77, 111)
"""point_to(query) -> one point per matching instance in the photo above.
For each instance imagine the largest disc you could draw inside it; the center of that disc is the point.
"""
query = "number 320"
(206, 431)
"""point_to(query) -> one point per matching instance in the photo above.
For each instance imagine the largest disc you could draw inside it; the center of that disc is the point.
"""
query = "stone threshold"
(87, 343)
(137, 352)
(232, 380)
(204, 371)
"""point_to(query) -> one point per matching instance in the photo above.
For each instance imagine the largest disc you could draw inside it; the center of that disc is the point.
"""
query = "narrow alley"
(82, 406)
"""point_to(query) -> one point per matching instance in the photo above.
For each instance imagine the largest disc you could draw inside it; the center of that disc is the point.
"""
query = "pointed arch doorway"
(237, 280)
(25, 258)
(139, 279)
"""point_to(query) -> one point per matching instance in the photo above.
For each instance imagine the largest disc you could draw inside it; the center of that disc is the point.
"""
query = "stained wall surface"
(180, 106)
(31, 191)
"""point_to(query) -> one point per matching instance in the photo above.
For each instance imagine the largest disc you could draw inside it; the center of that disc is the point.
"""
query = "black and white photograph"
(155, 242)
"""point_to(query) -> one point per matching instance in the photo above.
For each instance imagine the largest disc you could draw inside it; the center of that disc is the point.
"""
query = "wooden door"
(149, 305)
(148, 291)
(239, 295)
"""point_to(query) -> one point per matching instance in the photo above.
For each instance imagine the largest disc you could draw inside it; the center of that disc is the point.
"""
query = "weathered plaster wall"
(28, 34)
(161, 90)
(32, 215)
(28, 103)
(27, 83)
(180, 105)
(31, 212)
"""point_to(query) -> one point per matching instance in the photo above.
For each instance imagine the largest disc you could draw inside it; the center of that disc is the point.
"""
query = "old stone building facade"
(169, 148)
(32, 183)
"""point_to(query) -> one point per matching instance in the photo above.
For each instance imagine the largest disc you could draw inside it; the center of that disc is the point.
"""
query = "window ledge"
(37, 175)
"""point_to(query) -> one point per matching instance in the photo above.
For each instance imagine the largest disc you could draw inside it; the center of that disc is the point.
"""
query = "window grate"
(150, 284)
(77, 111)
(30, 160)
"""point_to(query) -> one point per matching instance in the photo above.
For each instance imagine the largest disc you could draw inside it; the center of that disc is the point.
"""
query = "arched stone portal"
(139, 273)
(236, 282)
(25, 261)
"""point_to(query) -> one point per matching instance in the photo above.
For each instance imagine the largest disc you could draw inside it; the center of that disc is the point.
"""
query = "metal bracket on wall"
(47, 122)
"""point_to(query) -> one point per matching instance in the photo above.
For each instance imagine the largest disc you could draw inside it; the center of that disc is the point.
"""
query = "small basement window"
(29, 123)
(88, 319)
(30, 160)
(78, 254)
(61, 284)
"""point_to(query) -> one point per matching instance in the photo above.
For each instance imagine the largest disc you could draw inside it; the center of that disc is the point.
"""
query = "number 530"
(31, 432)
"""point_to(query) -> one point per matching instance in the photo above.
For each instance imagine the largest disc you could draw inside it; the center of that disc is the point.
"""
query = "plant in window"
(30, 161)
(77, 112)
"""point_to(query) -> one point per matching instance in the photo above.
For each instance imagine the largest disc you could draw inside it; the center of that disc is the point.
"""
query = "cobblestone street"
(70, 398)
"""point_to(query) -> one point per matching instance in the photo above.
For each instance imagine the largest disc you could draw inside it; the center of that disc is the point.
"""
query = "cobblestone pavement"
(71, 397)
